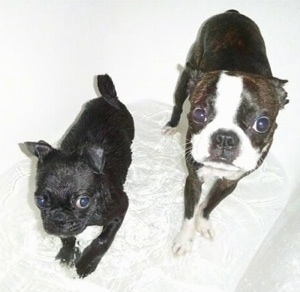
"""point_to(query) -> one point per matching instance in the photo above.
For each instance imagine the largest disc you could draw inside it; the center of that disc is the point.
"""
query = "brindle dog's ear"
(281, 93)
(195, 76)
(40, 149)
(94, 155)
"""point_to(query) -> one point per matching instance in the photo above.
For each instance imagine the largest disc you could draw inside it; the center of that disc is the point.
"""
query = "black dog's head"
(70, 189)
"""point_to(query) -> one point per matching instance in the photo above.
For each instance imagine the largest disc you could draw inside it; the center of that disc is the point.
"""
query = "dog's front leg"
(68, 253)
(220, 190)
(192, 192)
(92, 254)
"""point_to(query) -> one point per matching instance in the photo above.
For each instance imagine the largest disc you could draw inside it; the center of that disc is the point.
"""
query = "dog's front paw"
(85, 266)
(168, 130)
(88, 261)
(184, 240)
(204, 227)
(182, 246)
(68, 256)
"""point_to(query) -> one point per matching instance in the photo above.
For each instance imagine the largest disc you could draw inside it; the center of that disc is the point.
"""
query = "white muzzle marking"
(228, 100)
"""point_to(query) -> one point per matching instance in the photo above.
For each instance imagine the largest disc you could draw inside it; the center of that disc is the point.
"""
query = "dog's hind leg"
(184, 240)
(191, 70)
(181, 94)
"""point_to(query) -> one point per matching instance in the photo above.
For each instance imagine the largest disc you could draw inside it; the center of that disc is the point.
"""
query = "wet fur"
(92, 161)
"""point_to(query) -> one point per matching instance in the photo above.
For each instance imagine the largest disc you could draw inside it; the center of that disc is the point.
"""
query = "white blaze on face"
(228, 99)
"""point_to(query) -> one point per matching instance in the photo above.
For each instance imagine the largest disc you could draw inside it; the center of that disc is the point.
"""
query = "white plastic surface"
(49, 53)
(140, 258)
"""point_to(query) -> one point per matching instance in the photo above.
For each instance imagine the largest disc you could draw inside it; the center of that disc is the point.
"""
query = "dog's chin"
(64, 231)
(221, 164)
(220, 168)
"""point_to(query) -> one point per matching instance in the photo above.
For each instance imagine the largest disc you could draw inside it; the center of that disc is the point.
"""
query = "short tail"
(107, 90)
(232, 11)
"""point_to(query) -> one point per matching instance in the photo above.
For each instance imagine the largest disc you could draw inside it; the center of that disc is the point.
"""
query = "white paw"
(184, 240)
(182, 245)
(204, 227)
(168, 131)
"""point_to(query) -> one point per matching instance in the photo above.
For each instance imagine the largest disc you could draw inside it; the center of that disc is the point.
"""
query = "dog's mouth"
(64, 230)
(221, 164)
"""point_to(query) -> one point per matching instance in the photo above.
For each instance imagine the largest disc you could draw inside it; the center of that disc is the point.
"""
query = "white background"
(50, 52)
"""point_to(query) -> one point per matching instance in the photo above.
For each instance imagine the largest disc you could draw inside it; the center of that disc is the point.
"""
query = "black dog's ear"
(282, 94)
(107, 89)
(95, 157)
(40, 149)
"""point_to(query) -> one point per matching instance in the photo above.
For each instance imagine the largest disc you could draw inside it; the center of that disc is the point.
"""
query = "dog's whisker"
(80, 184)
(225, 89)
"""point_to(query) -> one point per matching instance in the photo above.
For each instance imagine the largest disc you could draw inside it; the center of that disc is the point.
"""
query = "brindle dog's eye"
(82, 202)
(262, 125)
(199, 115)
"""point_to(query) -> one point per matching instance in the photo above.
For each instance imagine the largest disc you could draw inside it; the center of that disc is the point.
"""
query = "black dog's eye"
(82, 202)
(262, 125)
(41, 202)
(199, 115)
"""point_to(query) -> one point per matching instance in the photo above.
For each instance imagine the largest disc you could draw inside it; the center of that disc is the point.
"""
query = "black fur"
(89, 168)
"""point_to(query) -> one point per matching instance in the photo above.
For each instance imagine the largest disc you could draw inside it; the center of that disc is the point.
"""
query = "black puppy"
(81, 184)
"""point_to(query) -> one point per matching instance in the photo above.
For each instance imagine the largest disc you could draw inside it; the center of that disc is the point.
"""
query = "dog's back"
(230, 41)
(81, 184)
(107, 123)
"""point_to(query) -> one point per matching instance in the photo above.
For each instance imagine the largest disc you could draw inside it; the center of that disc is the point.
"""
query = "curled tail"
(107, 90)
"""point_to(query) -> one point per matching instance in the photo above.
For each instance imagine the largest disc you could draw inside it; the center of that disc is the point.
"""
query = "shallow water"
(140, 258)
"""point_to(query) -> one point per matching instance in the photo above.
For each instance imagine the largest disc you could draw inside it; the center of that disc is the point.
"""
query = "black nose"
(225, 139)
(59, 218)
